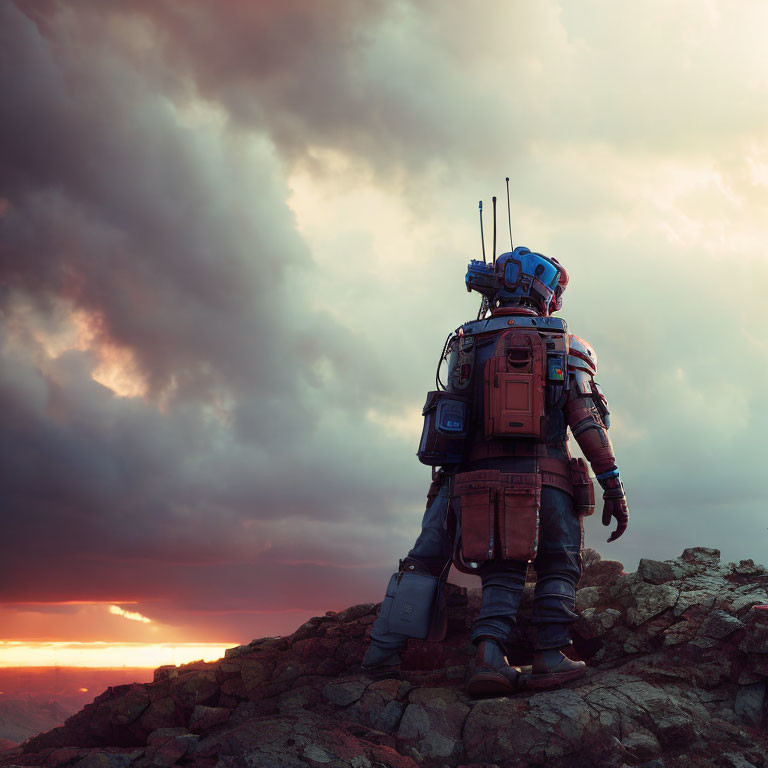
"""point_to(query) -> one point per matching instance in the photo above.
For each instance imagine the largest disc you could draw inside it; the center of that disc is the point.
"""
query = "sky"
(233, 238)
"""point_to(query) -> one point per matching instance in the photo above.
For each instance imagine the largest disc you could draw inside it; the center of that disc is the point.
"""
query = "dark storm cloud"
(376, 80)
(178, 247)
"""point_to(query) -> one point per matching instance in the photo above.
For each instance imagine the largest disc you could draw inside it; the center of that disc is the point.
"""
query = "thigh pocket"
(519, 518)
(477, 517)
(478, 492)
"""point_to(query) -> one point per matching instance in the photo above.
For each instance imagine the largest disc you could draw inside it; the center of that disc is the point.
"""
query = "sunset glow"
(20, 654)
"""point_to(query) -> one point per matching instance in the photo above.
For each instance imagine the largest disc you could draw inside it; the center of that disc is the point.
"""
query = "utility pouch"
(417, 604)
(444, 435)
(515, 386)
(583, 490)
(499, 514)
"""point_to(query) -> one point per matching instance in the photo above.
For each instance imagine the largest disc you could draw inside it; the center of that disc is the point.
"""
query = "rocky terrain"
(678, 662)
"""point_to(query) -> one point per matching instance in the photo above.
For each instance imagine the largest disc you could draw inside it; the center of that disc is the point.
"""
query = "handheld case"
(415, 604)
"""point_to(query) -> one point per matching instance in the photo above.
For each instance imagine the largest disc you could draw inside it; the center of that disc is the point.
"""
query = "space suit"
(507, 491)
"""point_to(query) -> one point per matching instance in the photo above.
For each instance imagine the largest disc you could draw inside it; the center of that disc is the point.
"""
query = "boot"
(381, 662)
(552, 667)
(490, 673)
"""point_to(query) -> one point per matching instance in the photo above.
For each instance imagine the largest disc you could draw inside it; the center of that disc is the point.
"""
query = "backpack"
(515, 386)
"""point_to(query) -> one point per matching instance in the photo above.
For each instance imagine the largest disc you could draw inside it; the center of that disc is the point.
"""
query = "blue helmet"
(521, 277)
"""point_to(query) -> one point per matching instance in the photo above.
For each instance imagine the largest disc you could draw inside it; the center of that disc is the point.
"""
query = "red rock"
(203, 719)
(194, 687)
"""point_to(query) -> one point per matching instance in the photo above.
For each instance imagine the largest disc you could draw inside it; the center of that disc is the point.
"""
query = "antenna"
(482, 236)
(509, 217)
(494, 230)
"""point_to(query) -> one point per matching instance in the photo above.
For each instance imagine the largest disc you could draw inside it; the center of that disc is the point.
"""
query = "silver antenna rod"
(494, 230)
(509, 217)
(482, 236)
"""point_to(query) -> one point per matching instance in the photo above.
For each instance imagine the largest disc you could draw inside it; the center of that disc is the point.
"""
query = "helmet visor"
(530, 265)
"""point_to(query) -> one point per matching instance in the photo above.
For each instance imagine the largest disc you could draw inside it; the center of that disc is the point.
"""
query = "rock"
(130, 706)
(748, 568)
(687, 600)
(167, 746)
(380, 705)
(649, 601)
(433, 722)
(587, 597)
(602, 574)
(260, 645)
(355, 612)
(741, 602)
(306, 698)
(254, 674)
(344, 693)
(642, 744)
(720, 624)
(589, 557)
(161, 713)
(735, 760)
(706, 581)
(163, 673)
(749, 702)
(704, 556)
(193, 688)
(298, 741)
(204, 718)
(675, 730)
(108, 759)
(680, 632)
(656, 571)
(755, 640)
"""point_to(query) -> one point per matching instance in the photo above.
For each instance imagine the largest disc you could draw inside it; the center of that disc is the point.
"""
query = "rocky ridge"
(678, 664)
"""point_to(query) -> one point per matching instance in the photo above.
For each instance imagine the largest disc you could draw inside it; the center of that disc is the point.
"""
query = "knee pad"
(554, 600)
(560, 564)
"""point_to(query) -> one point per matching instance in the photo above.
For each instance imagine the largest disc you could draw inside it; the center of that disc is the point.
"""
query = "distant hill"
(677, 658)
(36, 699)
(20, 719)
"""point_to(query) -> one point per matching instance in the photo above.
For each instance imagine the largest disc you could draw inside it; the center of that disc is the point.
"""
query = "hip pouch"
(415, 605)
(444, 435)
(514, 383)
(499, 515)
(583, 490)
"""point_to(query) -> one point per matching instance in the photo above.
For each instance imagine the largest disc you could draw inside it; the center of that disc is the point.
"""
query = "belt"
(493, 449)
(554, 472)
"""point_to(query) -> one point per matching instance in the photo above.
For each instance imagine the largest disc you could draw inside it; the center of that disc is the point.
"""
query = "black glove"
(614, 503)
(615, 507)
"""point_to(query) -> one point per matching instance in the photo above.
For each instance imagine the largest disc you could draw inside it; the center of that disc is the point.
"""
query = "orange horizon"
(104, 655)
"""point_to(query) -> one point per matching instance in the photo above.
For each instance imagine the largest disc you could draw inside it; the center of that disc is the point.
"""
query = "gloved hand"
(615, 506)
(614, 502)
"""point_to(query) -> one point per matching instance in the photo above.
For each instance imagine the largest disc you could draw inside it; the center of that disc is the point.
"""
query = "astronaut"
(507, 492)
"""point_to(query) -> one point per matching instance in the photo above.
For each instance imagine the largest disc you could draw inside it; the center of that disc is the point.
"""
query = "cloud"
(130, 615)
(233, 240)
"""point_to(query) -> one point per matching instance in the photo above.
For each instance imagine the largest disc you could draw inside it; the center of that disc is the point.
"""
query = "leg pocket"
(477, 523)
(519, 518)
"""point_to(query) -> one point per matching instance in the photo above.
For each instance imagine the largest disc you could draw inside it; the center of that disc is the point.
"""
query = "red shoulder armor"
(582, 364)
